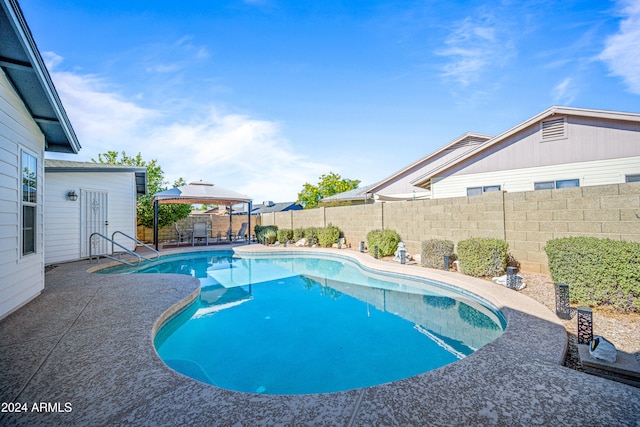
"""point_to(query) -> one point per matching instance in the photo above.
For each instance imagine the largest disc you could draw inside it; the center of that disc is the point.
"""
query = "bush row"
(598, 271)
(479, 257)
(323, 236)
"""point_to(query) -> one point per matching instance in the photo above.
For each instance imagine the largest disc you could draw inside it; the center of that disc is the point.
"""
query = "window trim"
(28, 199)
(555, 184)
(484, 189)
(635, 177)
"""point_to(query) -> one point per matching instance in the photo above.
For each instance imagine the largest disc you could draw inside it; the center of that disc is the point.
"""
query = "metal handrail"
(113, 238)
(97, 256)
(124, 249)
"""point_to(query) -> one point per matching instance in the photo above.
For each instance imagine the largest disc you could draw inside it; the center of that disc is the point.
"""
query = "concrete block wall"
(535, 217)
(526, 220)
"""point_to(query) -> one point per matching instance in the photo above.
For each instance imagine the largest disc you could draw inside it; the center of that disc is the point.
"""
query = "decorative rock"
(601, 348)
(301, 242)
(502, 280)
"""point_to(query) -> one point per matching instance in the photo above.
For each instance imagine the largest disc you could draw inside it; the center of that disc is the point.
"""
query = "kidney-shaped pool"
(300, 324)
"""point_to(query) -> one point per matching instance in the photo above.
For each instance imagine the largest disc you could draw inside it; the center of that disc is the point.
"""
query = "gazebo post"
(155, 222)
(249, 222)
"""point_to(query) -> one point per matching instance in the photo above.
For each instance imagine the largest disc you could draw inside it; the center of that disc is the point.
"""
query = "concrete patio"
(84, 347)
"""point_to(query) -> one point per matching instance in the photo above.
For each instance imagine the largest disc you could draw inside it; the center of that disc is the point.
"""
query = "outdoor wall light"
(72, 195)
(563, 310)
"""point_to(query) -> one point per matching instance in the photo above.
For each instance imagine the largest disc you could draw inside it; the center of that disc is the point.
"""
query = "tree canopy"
(167, 214)
(328, 185)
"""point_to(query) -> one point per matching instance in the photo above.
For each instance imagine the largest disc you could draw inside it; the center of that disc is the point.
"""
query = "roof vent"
(554, 129)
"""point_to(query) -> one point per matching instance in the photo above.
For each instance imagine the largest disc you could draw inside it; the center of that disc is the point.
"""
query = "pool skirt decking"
(86, 344)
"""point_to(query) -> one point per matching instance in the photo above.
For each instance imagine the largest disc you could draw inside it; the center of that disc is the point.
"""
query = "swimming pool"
(301, 324)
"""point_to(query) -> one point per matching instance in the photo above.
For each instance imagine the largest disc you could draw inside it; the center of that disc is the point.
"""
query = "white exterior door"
(94, 219)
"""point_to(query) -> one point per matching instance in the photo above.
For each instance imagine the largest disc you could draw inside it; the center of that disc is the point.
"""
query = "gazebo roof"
(201, 193)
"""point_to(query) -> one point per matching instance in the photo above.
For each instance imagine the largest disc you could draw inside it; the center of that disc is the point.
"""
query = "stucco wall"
(526, 220)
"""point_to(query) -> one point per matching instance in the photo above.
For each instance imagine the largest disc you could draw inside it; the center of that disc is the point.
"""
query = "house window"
(554, 129)
(561, 183)
(632, 178)
(29, 202)
(479, 191)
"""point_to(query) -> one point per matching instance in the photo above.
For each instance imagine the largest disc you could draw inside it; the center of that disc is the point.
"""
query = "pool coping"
(87, 340)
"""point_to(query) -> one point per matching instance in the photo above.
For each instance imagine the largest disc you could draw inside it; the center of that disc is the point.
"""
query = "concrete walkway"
(82, 352)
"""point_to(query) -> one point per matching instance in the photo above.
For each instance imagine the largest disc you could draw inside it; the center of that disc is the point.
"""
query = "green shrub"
(386, 240)
(284, 234)
(328, 235)
(298, 234)
(311, 234)
(483, 256)
(268, 231)
(433, 252)
(598, 271)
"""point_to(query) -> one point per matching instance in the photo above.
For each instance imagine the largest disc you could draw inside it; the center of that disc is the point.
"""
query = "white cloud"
(241, 153)
(564, 92)
(475, 46)
(622, 52)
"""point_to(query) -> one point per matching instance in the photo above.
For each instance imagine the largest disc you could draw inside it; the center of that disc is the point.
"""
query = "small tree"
(329, 184)
(167, 214)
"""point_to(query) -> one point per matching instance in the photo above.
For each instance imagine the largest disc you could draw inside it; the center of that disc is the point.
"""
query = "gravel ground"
(623, 330)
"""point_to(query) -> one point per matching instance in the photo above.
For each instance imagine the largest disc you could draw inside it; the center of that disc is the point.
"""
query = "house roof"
(463, 143)
(275, 207)
(51, 165)
(360, 193)
(424, 180)
(24, 67)
(201, 192)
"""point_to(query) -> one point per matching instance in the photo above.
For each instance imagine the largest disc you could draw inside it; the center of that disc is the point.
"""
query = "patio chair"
(200, 232)
(180, 234)
(242, 233)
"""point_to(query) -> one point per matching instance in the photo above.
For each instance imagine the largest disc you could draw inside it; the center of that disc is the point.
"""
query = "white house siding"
(600, 172)
(22, 277)
(63, 223)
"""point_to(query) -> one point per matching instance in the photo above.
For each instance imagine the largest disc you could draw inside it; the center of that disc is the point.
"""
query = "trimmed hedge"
(284, 234)
(433, 252)
(386, 240)
(328, 235)
(268, 231)
(298, 234)
(311, 234)
(483, 256)
(598, 271)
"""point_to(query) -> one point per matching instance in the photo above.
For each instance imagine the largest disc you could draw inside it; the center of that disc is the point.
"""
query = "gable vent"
(554, 128)
(469, 141)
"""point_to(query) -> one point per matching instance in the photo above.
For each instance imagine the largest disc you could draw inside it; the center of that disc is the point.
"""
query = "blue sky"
(261, 96)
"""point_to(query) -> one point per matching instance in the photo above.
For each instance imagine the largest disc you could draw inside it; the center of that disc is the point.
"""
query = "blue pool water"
(295, 324)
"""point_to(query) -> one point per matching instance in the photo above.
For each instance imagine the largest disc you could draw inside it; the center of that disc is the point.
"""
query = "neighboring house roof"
(275, 207)
(24, 67)
(424, 180)
(357, 194)
(448, 153)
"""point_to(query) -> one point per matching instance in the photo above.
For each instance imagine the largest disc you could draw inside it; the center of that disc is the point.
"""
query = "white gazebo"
(198, 193)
